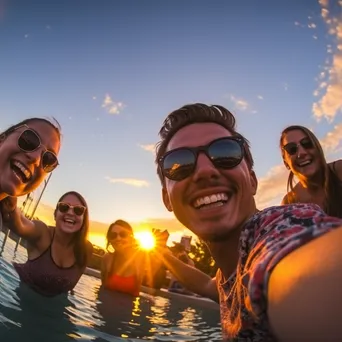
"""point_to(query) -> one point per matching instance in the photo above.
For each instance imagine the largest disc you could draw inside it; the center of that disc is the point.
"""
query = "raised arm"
(304, 293)
(192, 278)
(15, 220)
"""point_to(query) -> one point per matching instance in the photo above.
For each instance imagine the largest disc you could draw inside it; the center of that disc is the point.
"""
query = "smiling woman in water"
(28, 152)
(122, 268)
(57, 256)
(319, 182)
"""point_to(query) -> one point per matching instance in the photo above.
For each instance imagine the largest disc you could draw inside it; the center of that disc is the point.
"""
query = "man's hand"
(161, 237)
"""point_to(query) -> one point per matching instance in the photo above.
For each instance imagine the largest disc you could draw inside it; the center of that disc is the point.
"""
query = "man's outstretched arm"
(305, 292)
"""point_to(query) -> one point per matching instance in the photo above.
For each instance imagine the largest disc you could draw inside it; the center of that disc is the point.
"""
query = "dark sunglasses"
(29, 141)
(114, 235)
(292, 148)
(64, 208)
(224, 153)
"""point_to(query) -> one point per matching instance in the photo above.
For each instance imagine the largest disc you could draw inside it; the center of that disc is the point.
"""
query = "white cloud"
(111, 106)
(260, 97)
(239, 103)
(148, 147)
(129, 181)
(330, 103)
(272, 187)
(332, 140)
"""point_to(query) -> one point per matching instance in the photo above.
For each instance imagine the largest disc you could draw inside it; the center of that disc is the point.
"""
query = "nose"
(205, 169)
(35, 156)
(301, 151)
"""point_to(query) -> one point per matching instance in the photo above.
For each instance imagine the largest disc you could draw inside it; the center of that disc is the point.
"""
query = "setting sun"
(145, 239)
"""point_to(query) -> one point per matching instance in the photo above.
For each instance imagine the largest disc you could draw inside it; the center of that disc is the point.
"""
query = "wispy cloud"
(330, 88)
(239, 103)
(272, 187)
(260, 97)
(332, 140)
(148, 147)
(129, 181)
(111, 106)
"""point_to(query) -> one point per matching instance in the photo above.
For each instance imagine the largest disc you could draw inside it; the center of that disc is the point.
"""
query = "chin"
(218, 235)
(69, 230)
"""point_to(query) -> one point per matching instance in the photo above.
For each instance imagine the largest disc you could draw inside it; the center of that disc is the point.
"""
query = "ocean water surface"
(94, 314)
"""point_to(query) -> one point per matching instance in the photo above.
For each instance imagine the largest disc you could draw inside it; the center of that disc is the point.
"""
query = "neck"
(123, 252)
(226, 253)
(313, 183)
(62, 238)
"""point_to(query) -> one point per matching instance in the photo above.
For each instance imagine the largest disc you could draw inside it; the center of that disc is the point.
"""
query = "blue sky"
(110, 71)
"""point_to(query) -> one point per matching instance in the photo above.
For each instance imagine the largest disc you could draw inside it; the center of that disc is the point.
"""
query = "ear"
(2, 137)
(254, 182)
(166, 200)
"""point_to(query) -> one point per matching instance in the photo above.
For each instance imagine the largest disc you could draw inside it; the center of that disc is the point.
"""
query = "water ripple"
(94, 314)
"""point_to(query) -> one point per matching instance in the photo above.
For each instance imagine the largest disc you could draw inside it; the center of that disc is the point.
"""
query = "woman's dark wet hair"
(80, 240)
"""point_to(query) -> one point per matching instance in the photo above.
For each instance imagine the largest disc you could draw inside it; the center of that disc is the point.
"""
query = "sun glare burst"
(146, 240)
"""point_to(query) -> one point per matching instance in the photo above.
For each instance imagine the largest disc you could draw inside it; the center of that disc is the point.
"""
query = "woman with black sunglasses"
(319, 182)
(28, 152)
(57, 256)
(122, 268)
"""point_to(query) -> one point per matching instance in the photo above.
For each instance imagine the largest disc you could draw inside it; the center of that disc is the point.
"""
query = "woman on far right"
(319, 182)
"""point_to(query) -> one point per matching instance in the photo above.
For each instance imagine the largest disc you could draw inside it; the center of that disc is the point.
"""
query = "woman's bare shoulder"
(336, 166)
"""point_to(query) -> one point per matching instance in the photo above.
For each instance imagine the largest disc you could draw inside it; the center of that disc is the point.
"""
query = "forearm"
(304, 296)
(14, 221)
(192, 278)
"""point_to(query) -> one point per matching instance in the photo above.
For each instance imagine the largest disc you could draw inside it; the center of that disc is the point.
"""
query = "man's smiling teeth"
(218, 198)
(24, 170)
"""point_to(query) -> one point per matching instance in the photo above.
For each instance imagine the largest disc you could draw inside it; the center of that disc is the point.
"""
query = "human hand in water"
(7, 207)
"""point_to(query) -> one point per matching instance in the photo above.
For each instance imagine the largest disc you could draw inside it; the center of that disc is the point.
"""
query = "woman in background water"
(57, 256)
(123, 269)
